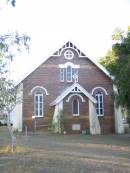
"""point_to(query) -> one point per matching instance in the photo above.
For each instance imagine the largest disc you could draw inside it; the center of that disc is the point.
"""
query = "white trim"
(75, 115)
(39, 87)
(92, 60)
(39, 116)
(70, 90)
(101, 68)
(70, 53)
(99, 107)
(73, 48)
(69, 63)
(81, 97)
(38, 104)
(76, 90)
(80, 56)
(95, 88)
(64, 67)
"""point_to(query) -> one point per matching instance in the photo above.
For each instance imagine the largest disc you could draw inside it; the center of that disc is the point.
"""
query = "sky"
(89, 24)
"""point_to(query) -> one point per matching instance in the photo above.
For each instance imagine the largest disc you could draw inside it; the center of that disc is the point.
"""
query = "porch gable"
(74, 88)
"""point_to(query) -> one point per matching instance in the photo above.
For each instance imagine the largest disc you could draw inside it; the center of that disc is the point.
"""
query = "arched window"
(99, 105)
(75, 107)
(69, 73)
(38, 104)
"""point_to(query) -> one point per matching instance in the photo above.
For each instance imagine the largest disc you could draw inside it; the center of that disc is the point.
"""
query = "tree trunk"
(13, 138)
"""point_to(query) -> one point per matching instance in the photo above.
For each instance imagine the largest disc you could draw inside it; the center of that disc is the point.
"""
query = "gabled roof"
(81, 55)
(58, 53)
(75, 88)
(69, 45)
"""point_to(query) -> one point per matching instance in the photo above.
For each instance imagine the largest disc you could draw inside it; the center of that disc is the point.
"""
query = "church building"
(71, 83)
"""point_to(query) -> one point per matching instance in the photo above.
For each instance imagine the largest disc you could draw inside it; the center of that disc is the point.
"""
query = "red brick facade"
(48, 76)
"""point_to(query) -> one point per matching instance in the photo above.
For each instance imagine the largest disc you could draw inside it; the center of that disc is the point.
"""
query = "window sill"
(75, 115)
(69, 81)
(33, 117)
(66, 81)
(100, 115)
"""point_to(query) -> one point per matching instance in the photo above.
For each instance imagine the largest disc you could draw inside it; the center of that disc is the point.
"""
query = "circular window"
(68, 54)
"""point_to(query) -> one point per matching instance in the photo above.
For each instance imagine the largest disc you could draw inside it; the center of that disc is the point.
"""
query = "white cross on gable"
(75, 77)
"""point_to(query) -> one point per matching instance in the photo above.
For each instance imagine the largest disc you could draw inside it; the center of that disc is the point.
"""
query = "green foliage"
(61, 122)
(12, 42)
(108, 60)
(128, 28)
(121, 71)
(51, 125)
(117, 61)
(118, 34)
(7, 95)
(57, 126)
(9, 42)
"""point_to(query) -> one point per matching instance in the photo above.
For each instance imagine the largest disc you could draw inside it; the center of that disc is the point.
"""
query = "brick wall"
(48, 76)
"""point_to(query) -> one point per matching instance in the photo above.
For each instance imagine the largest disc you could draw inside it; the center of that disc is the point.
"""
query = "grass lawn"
(49, 153)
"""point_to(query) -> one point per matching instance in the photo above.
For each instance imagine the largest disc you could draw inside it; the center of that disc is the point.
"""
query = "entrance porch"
(79, 110)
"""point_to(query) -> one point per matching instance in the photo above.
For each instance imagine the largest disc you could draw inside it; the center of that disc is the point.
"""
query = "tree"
(12, 2)
(109, 60)
(9, 44)
(117, 61)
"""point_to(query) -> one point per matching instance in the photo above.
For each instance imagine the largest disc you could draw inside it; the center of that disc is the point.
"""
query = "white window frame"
(98, 105)
(70, 74)
(73, 107)
(74, 71)
(38, 94)
(62, 74)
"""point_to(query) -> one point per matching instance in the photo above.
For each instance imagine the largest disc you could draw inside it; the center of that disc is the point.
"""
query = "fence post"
(26, 131)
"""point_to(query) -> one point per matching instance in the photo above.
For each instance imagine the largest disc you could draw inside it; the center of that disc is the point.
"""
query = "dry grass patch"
(6, 149)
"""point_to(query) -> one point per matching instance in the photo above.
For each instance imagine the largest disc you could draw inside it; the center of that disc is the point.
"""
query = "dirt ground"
(51, 153)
